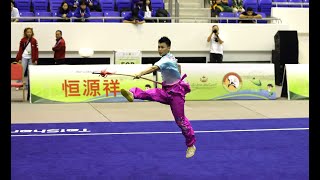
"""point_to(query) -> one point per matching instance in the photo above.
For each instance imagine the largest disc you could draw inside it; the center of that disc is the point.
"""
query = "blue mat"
(261, 149)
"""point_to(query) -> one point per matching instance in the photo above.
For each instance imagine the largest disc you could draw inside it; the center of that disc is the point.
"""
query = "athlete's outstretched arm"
(147, 71)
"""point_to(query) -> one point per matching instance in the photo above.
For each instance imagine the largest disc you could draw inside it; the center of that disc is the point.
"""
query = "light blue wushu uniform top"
(169, 69)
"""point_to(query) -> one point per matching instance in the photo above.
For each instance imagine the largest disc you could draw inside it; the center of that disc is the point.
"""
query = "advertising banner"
(76, 83)
(229, 81)
(297, 81)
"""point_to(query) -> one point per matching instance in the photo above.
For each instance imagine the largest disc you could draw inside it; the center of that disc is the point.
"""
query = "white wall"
(297, 18)
(303, 48)
(240, 39)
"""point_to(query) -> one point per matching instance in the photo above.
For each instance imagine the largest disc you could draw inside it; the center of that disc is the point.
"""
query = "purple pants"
(173, 95)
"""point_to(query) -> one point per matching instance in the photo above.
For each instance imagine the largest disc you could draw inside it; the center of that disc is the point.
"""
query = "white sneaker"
(127, 94)
(190, 151)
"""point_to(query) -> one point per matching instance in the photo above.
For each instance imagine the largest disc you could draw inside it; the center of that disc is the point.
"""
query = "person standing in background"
(216, 45)
(28, 51)
(59, 49)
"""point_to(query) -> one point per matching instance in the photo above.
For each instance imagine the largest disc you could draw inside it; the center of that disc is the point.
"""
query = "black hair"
(61, 10)
(249, 9)
(135, 12)
(270, 85)
(82, 2)
(148, 85)
(59, 31)
(166, 40)
(144, 4)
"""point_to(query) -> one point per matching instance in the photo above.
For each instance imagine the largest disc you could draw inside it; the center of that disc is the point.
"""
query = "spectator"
(218, 6)
(237, 6)
(59, 49)
(14, 12)
(134, 17)
(28, 50)
(249, 14)
(146, 10)
(73, 4)
(93, 5)
(82, 12)
(216, 45)
(225, 6)
(64, 12)
(137, 4)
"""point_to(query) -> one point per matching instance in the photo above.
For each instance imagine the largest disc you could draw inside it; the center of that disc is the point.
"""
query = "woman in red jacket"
(28, 50)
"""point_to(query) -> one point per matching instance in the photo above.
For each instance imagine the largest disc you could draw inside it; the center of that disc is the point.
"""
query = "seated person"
(225, 6)
(237, 6)
(146, 10)
(93, 5)
(218, 6)
(82, 12)
(136, 4)
(249, 14)
(134, 18)
(14, 12)
(64, 12)
(73, 4)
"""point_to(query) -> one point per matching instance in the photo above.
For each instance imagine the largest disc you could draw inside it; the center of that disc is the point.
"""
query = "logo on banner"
(232, 82)
(49, 131)
(204, 79)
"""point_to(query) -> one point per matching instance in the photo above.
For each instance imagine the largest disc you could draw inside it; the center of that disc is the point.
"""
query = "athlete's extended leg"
(177, 108)
(155, 94)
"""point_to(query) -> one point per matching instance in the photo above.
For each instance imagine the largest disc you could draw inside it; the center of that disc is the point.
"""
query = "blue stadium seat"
(40, 5)
(273, 5)
(107, 5)
(305, 1)
(43, 14)
(96, 14)
(54, 5)
(298, 3)
(237, 14)
(72, 20)
(112, 14)
(157, 4)
(123, 4)
(125, 13)
(26, 14)
(265, 6)
(251, 3)
(227, 14)
(23, 5)
(54, 14)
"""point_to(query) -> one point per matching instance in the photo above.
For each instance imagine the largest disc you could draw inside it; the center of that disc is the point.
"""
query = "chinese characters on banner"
(92, 87)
